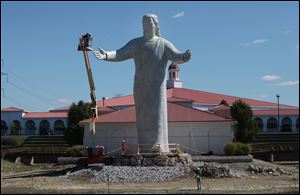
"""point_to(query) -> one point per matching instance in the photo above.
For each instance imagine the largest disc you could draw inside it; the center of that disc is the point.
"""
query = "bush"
(75, 151)
(246, 149)
(237, 148)
(230, 149)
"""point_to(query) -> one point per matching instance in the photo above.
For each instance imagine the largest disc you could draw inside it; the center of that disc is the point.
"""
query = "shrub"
(75, 151)
(230, 149)
(239, 147)
(246, 149)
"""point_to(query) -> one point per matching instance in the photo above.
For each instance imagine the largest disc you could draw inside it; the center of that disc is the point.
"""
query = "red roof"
(221, 110)
(214, 98)
(46, 115)
(176, 113)
(184, 94)
(275, 112)
(12, 109)
(123, 100)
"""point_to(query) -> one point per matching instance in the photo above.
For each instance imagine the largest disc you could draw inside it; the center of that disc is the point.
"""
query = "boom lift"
(93, 153)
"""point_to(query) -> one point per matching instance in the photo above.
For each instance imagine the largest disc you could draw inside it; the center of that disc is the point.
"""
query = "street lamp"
(278, 110)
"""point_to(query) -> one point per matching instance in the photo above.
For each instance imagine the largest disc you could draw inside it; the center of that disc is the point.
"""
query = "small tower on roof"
(173, 80)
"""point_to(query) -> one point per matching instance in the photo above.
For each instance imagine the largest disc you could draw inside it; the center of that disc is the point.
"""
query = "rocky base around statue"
(162, 160)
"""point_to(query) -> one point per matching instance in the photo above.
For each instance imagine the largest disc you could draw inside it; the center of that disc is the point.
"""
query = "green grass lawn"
(18, 138)
(10, 167)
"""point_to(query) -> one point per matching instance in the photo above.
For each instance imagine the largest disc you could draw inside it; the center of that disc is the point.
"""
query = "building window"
(286, 124)
(259, 122)
(271, 124)
(30, 127)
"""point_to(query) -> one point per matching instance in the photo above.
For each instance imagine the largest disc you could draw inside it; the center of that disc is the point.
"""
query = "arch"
(30, 127)
(117, 137)
(272, 124)
(15, 127)
(259, 122)
(4, 128)
(59, 127)
(286, 124)
(44, 127)
(297, 124)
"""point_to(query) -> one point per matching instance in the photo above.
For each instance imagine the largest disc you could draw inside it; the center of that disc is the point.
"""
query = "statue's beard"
(149, 32)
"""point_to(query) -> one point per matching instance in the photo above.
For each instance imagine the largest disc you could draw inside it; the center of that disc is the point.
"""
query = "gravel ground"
(99, 173)
(129, 174)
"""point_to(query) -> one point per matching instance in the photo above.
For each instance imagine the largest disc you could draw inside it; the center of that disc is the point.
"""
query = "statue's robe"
(150, 57)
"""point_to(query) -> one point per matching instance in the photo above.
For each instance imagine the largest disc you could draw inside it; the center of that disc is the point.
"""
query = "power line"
(34, 85)
(32, 94)
(21, 104)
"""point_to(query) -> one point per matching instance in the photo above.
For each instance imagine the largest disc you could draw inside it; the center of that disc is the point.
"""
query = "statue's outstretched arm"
(121, 54)
(176, 56)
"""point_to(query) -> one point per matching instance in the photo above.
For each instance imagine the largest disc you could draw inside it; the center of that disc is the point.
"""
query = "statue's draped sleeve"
(172, 53)
(123, 53)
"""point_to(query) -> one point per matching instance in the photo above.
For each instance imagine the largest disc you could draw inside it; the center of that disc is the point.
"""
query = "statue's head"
(150, 26)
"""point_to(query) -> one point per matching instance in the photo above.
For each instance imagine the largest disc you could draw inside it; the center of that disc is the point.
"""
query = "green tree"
(246, 127)
(78, 112)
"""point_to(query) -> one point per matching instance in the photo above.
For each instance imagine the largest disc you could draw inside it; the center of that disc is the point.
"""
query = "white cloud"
(288, 83)
(180, 14)
(270, 77)
(259, 41)
(64, 100)
(287, 31)
(245, 44)
(263, 96)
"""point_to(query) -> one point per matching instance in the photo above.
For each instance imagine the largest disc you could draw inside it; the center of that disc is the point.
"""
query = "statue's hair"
(155, 20)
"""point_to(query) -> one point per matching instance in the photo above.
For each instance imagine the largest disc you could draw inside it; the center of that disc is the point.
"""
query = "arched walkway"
(44, 127)
(59, 127)
(272, 124)
(30, 127)
(260, 123)
(15, 127)
(117, 137)
(286, 124)
(4, 128)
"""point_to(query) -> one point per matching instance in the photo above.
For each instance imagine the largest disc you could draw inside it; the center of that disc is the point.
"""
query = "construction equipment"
(92, 154)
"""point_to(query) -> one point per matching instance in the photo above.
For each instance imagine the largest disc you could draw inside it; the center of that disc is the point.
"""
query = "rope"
(191, 148)
(113, 150)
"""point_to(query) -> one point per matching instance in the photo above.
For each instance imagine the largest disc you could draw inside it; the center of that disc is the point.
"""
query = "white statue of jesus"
(151, 54)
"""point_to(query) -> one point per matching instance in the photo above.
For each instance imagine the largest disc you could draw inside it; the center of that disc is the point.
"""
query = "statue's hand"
(101, 54)
(187, 55)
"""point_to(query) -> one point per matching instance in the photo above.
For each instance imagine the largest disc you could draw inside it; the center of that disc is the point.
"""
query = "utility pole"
(4, 74)
(278, 111)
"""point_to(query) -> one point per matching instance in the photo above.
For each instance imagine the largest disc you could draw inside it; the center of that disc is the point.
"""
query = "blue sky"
(245, 49)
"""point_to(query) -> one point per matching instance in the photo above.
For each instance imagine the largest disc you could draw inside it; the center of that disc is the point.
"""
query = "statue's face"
(148, 27)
